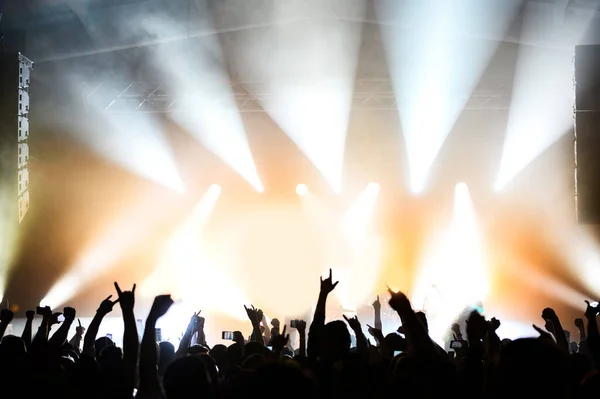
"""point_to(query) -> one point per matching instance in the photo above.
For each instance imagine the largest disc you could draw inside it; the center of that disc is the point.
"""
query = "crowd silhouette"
(406, 363)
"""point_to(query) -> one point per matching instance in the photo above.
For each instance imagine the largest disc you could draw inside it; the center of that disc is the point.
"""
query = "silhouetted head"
(219, 353)
(195, 350)
(336, 341)
(102, 343)
(13, 350)
(187, 378)
(253, 348)
(211, 368)
(235, 355)
(394, 342)
(110, 357)
(253, 361)
(165, 357)
(285, 377)
(532, 367)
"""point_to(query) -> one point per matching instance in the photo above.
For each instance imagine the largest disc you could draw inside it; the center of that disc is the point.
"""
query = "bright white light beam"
(129, 228)
(454, 266)
(184, 266)
(542, 98)
(135, 143)
(437, 51)
(308, 70)
(195, 72)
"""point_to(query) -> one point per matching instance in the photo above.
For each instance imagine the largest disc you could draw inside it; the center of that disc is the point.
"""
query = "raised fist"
(30, 314)
(69, 313)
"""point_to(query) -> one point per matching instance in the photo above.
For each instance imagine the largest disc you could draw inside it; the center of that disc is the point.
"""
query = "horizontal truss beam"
(154, 97)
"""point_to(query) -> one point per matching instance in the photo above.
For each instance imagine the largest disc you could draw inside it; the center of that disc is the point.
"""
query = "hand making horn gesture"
(126, 298)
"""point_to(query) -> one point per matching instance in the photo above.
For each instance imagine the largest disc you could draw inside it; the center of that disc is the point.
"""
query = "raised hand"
(328, 285)
(196, 322)
(126, 298)
(399, 302)
(6, 316)
(549, 314)
(353, 323)
(107, 305)
(579, 323)
(280, 341)
(300, 325)
(69, 313)
(160, 306)
(591, 311)
(253, 314)
(79, 330)
(375, 333)
(494, 324)
(377, 304)
(544, 335)
(30, 314)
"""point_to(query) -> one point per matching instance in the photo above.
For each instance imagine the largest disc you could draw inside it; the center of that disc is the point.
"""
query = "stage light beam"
(195, 72)
(308, 69)
(455, 265)
(541, 110)
(435, 64)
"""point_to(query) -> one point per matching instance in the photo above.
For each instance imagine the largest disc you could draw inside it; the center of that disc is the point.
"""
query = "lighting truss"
(369, 94)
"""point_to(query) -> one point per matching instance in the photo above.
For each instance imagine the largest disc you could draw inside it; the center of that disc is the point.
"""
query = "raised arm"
(44, 329)
(149, 383)
(191, 329)
(27, 331)
(361, 340)
(131, 346)
(301, 327)
(377, 310)
(60, 336)
(416, 333)
(90, 337)
(316, 327)
(78, 337)
(255, 316)
(550, 316)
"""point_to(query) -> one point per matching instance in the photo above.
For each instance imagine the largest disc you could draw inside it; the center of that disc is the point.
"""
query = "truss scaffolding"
(155, 97)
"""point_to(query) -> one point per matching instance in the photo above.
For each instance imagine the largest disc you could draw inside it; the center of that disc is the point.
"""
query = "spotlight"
(301, 189)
